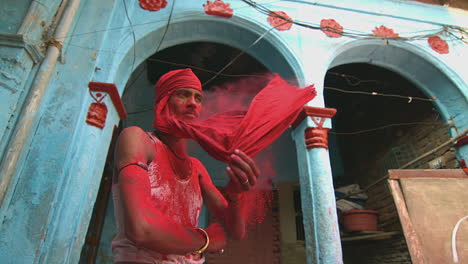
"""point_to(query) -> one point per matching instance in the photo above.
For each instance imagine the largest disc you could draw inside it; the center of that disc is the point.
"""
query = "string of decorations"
(333, 29)
(330, 27)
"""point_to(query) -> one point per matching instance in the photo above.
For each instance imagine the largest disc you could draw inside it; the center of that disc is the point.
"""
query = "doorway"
(383, 121)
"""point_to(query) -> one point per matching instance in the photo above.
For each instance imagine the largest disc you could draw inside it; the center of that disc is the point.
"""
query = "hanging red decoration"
(439, 45)
(276, 20)
(97, 112)
(153, 5)
(384, 32)
(218, 8)
(331, 28)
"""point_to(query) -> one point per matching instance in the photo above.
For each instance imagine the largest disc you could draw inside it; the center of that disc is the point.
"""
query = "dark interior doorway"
(383, 121)
(374, 122)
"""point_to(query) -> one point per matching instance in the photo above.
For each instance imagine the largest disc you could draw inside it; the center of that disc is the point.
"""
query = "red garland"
(439, 45)
(384, 32)
(153, 5)
(278, 22)
(218, 8)
(331, 28)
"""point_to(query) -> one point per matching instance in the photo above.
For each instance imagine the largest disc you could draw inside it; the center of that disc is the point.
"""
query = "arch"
(435, 78)
(236, 32)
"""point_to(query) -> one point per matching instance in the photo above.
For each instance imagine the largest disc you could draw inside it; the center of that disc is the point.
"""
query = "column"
(322, 235)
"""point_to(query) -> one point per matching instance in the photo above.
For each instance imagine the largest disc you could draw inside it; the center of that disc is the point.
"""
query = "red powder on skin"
(180, 198)
(133, 181)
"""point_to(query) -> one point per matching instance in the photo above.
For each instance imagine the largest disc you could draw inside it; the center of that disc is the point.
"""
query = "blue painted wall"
(46, 211)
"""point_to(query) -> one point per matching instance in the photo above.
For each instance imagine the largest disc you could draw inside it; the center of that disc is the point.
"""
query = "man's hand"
(242, 171)
(217, 238)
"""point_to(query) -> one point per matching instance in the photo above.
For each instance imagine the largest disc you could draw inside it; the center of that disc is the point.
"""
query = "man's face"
(186, 104)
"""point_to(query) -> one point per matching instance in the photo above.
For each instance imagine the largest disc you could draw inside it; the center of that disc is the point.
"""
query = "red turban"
(271, 112)
(174, 80)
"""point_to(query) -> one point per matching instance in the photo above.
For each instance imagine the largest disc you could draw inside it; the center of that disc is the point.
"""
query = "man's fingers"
(242, 178)
(232, 176)
(249, 161)
(250, 164)
(242, 166)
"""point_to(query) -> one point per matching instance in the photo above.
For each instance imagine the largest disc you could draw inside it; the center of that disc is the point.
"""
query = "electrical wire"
(241, 53)
(133, 34)
(410, 98)
(160, 42)
(142, 24)
(351, 80)
(388, 126)
(205, 70)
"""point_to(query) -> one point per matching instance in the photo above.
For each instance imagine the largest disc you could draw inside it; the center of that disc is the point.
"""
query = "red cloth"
(271, 112)
(173, 80)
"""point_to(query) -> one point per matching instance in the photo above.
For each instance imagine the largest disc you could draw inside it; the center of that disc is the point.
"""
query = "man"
(158, 189)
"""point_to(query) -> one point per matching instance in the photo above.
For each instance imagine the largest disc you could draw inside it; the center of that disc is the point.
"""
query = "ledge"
(368, 235)
(20, 41)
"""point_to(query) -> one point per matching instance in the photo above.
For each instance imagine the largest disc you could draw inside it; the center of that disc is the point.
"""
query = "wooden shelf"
(368, 235)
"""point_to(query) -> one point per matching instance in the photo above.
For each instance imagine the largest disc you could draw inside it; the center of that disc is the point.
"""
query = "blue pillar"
(322, 235)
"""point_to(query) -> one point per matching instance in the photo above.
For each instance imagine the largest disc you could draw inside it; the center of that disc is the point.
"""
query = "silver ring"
(246, 182)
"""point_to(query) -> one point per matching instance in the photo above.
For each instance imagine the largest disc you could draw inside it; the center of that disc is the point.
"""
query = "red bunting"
(384, 32)
(331, 28)
(279, 23)
(218, 8)
(153, 5)
(439, 45)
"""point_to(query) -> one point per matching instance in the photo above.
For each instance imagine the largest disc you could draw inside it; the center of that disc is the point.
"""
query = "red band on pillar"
(316, 137)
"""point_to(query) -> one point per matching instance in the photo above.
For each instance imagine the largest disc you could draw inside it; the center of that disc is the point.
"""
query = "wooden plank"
(382, 235)
(435, 205)
(412, 239)
(449, 173)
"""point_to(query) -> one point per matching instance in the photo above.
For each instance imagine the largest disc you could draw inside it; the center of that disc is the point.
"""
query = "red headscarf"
(174, 80)
(271, 112)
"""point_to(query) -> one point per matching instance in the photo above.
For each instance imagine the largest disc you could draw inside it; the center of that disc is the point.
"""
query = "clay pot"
(359, 220)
